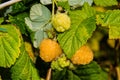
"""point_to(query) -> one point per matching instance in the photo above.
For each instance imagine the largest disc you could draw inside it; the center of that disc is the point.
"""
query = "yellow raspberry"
(82, 56)
(61, 22)
(49, 50)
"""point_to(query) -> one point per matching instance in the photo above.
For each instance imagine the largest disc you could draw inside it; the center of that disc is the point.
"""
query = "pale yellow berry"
(61, 22)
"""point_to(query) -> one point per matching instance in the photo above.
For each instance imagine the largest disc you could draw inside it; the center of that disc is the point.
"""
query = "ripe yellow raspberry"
(82, 56)
(49, 50)
(61, 22)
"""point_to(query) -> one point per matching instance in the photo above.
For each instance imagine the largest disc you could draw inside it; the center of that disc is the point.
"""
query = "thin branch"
(8, 3)
(48, 77)
(118, 72)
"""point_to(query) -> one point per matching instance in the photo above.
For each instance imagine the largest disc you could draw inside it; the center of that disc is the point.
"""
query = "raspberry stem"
(53, 7)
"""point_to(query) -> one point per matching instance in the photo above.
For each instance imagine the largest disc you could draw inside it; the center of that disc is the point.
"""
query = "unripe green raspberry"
(55, 66)
(61, 22)
(60, 63)
(63, 62)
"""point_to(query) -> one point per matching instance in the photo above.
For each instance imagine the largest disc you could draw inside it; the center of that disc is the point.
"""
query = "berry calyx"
(49, 50)
(61, 22)
(82, 56)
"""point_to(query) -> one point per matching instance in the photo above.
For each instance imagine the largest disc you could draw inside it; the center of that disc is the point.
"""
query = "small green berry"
(61, 22)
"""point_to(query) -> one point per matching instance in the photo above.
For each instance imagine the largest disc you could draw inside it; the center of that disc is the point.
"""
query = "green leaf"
(39, 17)
(82, 27)
(88, 11)
(58, 75)
(18, 7)
(19, 21)
(3, 30)
(1, 20)
(77, 3)
(37, 37)
(72, 76)
(39, 34)
(105, 3)
(46, 2)
(111, 20)
(24, 69)
(65, 74)
(40, 13)
(90, 71)
(10, 42)
(38, 23)
(114, 32)
(64, 4)
(99, 76)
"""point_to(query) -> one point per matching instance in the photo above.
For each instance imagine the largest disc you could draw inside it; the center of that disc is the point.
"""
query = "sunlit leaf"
(105, 2)
(3, 30)
(10, 42)
(111, 20)
(114, 32)
(24, 68)
(81, 30)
